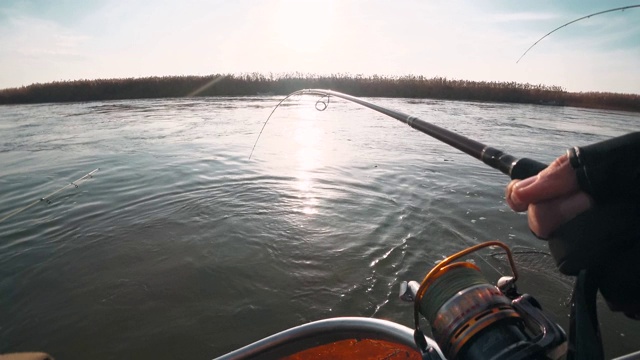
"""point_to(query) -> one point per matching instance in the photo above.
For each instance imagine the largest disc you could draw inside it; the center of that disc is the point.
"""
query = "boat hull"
(337, 338)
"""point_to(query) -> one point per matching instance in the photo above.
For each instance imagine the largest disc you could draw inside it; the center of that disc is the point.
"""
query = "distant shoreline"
(259, 84)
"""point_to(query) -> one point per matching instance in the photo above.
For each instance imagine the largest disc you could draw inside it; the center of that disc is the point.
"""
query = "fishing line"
(523, 252)
(265, 123)
(500, 254)
(320, 106)
(571, 22)
(469, 244)
(46, 198)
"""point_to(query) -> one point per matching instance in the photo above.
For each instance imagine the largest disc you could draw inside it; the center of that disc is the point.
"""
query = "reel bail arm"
(472, 319)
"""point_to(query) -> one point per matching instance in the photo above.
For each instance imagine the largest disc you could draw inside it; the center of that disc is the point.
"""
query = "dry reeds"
(357, 85)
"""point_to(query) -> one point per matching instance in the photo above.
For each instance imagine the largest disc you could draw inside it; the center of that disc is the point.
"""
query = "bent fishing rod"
(516, 168)
(46, 198)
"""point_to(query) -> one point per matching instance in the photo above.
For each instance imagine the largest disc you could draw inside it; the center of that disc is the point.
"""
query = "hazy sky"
(42, 40)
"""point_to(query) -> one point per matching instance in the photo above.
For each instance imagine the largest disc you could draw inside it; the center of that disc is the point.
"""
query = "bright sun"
(304, 27)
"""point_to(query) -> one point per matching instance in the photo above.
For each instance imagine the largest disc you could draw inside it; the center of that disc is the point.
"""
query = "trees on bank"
(357, 85)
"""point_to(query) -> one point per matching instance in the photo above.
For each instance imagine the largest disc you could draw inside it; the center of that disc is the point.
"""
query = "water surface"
(182, 247)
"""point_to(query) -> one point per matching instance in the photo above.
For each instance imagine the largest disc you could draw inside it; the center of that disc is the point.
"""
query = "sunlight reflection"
(309, 156)
(305, 185)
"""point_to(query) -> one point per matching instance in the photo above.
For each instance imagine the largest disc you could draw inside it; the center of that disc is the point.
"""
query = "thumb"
(557, 180)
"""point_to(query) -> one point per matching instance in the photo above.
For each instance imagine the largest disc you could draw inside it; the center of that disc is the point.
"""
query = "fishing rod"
(571, 22)
(590, 230)
(462, 307)
(516, 168)
(46, 198)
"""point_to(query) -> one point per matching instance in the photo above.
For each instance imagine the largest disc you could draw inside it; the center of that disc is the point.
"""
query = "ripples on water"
(182, 247)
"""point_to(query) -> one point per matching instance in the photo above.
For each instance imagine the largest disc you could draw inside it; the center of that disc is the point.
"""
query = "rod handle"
(603, 240)
(593, 238)
(524, 168)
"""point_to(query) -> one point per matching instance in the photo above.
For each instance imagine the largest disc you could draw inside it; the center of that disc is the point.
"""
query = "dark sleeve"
(609, 170)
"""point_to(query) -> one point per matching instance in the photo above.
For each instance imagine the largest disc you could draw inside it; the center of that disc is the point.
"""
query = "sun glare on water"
(309, 156)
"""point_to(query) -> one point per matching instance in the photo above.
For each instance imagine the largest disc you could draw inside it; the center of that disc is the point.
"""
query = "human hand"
(551, 198)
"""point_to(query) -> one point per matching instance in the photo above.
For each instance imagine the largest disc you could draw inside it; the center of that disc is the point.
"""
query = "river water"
(181, 246)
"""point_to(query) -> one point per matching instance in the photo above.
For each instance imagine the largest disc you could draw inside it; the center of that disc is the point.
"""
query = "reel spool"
(473, 319)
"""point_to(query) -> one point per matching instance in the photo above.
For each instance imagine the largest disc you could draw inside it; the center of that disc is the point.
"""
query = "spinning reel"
(472, 319)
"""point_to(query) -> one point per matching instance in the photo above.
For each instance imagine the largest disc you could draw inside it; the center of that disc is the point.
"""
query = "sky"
(43, 41)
